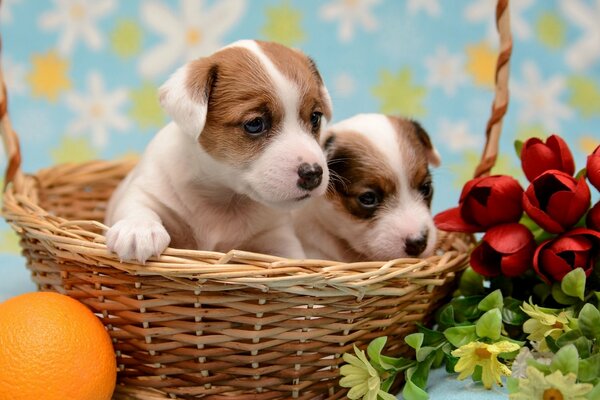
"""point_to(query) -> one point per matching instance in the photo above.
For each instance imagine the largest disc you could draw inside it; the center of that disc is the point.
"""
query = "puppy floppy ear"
(433, 157)
(184, 96)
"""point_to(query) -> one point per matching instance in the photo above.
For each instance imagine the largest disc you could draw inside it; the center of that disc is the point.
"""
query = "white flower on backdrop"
(76, 20)
(194, 30)
(586, 50)
(6, 15)
(430, 7)
(99, 111)
(350, 13)
(344, 85)
(446, 70)
(457, 135)
(539, 99)
(14, 76)
(485, 11)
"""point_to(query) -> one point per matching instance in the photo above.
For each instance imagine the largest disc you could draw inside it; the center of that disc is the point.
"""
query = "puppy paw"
(134, 239)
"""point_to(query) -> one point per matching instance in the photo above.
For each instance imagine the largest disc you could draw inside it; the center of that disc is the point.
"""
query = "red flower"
(593, 218)
(593, 168)
(484, 202)
(555, 258)
(556, 201)
(538, 157)
(505, 249)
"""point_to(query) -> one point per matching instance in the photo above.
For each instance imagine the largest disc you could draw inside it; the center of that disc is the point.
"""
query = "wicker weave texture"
(196, 324)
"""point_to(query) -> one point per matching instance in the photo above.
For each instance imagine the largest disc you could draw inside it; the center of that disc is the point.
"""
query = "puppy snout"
(309, 176)
(415, 246)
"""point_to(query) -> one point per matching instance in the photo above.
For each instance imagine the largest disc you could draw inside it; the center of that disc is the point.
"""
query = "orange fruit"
(53, 348)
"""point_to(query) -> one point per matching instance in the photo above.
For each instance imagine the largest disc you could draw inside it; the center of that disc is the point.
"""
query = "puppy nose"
(414, 247)
(310, 176)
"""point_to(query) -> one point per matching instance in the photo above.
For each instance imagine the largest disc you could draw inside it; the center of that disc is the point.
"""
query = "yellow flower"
(486, 356)
(362, 378)
(49, 75)
(555, 386)
(542, 324)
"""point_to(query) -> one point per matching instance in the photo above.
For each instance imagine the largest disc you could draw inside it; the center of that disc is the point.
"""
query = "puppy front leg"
(280, 241)
(138, 232)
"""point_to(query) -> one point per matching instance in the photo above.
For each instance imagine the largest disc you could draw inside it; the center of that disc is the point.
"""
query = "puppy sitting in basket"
(378, 203)
(241, 153)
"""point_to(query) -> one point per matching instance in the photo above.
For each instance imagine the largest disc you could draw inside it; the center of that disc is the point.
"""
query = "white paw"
(134, 239)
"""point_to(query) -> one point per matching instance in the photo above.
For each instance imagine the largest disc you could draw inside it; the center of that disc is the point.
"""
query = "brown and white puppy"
(242, 152)
(378, 203)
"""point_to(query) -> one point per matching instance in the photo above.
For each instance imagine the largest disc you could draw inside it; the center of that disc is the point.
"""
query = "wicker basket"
(240, 325)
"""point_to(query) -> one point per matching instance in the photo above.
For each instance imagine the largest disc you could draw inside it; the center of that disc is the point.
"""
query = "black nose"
(310, 176)
(415, 246)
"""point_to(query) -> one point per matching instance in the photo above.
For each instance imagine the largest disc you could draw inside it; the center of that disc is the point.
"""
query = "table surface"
(14, 280)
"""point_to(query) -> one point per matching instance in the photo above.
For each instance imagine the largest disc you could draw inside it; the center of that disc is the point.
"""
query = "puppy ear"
(433, 157)
(328, 111)
(184, 96)
(328, 143)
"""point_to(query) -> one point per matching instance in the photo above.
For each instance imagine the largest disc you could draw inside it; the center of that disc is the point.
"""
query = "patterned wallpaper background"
(83, 75)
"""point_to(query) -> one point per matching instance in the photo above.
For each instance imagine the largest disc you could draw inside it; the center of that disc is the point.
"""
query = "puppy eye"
(369, 199)
(255, 127)
(426, 189)
(315, 119)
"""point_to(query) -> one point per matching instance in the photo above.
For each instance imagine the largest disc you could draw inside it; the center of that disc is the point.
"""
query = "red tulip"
(538, 157)
(555, 258)
(484, 202)
(556, 201)
(593, 218)
(593, 168)
(505, 249)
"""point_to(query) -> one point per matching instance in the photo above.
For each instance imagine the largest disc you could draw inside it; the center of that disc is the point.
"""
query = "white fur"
(328, 232)
(211, 205)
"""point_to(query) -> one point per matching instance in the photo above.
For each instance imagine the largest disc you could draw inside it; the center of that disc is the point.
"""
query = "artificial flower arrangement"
(528, 306)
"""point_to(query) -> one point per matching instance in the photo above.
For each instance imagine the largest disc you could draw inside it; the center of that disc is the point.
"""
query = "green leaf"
(398, 364)
(412, 391)
(512, 314)
(460, 335)
(465, 308)
(551, 342)
(450, 363)
(471, 283)
(387, 384)
(491, 301)
(560, 296)
(542, 291)
(573, 283)
(490, 324)
(477, 374)
(589, 322)
(432, 338)
(566, 360)
(423, 352)
(581, 173)
(518, 148)
(568, 337)
(415, 340)
(374, 351)
(446, 317)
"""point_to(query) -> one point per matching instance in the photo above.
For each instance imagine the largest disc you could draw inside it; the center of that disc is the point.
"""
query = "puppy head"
(380, 189)
(257, 108)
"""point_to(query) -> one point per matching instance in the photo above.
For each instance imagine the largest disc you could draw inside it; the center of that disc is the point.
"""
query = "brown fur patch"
(301, 70)
(414, 144)
(239, 89)
(356, 166)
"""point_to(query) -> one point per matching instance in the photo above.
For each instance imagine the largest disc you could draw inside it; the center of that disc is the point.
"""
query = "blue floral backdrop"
(82, 75)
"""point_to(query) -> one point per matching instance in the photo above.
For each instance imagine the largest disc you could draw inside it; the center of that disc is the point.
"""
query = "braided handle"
(500, 104)
(11, 140)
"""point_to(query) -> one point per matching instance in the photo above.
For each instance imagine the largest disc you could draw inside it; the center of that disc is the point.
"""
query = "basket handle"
(14, 173)
(500, 104)
(12, 148)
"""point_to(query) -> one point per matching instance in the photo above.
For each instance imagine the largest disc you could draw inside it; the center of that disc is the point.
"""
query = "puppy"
(241, 152)
(378, 203)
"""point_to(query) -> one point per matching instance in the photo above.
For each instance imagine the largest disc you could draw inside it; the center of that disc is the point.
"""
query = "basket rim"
(236, 268)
